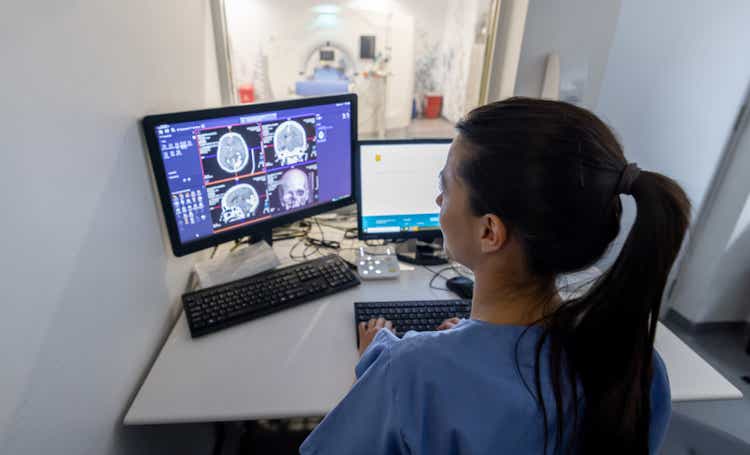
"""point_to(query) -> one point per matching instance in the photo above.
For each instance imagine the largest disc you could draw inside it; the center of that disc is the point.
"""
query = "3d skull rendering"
(294, 189)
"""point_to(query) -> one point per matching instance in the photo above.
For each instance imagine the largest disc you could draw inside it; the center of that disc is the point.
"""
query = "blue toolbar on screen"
(224, 173)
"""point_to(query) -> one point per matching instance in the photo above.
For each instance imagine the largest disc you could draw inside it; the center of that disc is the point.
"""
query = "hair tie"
(627, 177)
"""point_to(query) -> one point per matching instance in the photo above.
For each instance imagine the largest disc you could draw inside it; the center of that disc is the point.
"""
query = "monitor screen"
(398, 186)
(231, 170)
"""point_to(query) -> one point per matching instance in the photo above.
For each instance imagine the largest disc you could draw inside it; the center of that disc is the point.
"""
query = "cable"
(322, 242)
(237, 244)
(306, 229)
(439, 273)
(287, 233)
(313, 245)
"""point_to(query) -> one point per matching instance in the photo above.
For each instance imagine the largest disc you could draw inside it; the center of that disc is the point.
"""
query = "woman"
(530, 191)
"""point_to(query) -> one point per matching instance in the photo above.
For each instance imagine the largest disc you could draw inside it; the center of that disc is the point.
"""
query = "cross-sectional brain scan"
(232, 153)
(294, 189)
(238, 203)
(290, 143)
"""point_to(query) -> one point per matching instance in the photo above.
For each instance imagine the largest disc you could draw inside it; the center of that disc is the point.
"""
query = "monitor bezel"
(179, 248)
(426, 235)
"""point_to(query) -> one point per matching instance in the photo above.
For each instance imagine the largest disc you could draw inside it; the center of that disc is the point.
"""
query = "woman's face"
(459, 225)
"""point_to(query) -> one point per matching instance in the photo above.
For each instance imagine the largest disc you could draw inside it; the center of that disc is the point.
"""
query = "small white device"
(377, 266)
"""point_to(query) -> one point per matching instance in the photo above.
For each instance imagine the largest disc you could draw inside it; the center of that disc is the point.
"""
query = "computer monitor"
(397, 183)
(227, 173)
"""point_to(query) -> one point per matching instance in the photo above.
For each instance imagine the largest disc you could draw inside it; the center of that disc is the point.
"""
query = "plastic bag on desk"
(241, 263)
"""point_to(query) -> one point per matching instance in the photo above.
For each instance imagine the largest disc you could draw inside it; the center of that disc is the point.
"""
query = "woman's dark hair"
(552, 172)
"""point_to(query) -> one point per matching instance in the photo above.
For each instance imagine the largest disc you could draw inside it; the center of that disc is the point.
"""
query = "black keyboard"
(419, 315)
(228, 304)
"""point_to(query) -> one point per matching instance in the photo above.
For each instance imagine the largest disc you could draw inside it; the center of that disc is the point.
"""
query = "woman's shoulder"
(471, 346)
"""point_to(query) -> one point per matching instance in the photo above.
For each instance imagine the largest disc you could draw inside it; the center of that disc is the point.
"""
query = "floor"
(418, 128)
(717, 426)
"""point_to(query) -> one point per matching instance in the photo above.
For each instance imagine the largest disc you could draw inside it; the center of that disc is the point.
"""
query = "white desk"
(300, 362)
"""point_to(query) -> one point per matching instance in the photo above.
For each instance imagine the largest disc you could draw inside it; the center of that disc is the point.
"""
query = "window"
(417, 66)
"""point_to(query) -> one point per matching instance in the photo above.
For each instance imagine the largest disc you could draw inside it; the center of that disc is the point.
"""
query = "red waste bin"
(247, 93)
(433, 104)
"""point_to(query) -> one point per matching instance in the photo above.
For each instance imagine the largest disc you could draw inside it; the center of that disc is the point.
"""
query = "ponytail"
(554, 173)
(608, 333)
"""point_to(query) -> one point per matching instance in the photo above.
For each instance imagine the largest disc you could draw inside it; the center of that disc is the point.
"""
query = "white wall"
(714, 281)
(508, 47)
(429, 27)
(87, 283)
(675, 79)
(674, 83)
(580, 31)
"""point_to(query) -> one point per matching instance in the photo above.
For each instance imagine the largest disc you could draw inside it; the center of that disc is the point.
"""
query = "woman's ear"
(494, 234)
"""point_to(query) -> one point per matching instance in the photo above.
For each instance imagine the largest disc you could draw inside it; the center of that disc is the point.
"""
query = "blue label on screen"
(382, 224)
(224, 173)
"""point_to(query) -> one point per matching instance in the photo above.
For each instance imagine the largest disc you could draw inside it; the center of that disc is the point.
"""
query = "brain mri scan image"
(290, 143)
(232, 153)
(238, 203)
(294, 189)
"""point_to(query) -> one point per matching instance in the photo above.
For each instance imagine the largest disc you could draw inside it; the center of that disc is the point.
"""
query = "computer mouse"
(461, 286)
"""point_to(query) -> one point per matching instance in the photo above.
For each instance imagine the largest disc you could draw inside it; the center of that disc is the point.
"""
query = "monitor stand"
(266, 234)
(417, 252)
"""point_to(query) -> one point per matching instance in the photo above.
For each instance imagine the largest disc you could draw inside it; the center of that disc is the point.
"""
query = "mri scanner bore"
(256, 170)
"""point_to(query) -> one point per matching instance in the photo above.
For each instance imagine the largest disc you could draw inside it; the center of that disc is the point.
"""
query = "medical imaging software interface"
(399, 186)
(228, 172)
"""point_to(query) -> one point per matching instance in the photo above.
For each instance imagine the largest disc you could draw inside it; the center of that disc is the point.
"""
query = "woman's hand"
(448, 324)
(367, 331)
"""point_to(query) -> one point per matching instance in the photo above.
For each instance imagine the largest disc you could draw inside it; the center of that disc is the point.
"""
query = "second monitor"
(397, 186)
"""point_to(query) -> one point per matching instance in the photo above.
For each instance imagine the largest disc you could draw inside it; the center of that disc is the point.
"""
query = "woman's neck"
(501, 297)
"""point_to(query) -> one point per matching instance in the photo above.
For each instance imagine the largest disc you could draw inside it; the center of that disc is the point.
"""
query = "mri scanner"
(312, 61)
(327, 68)
(384, 86)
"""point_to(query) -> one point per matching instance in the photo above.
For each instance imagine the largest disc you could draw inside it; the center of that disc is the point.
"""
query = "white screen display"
(399, 184)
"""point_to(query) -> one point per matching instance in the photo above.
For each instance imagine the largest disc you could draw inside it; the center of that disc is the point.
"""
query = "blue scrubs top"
(455, 391)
